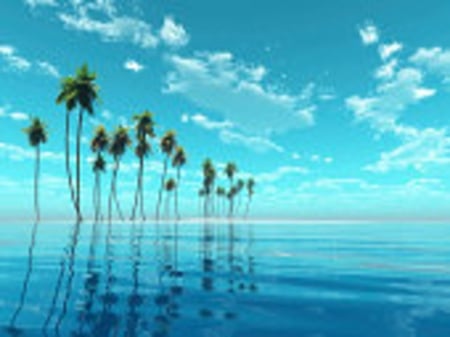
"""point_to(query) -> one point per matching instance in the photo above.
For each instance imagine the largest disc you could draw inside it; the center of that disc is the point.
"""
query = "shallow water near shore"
(210, 279)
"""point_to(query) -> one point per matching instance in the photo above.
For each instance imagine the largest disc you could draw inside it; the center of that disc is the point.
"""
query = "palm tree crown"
(79, 90)
(99, 164)
(37, 133)
(179, 158)
(168, 142)
(100, 141)
(144, 125)
(250, 186)
(170, 185)
(120, 141)
(230, 170)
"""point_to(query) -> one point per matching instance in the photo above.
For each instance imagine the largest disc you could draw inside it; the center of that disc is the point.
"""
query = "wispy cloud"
(254, 143)
(13, 61)
(173, 34)
(369, 34)
(218, 82)
(18, 153)
(280, 173)
(387, 50)
(133, 66)
(48, 68)
(206, 123)
(113, 27)
(14, 115)
(35, 3)
(435, 60)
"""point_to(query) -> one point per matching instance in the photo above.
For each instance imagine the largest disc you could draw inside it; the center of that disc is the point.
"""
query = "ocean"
(225, 279)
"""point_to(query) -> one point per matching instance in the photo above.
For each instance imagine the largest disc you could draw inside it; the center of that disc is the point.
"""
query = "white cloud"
(19, 116)
(13, 61)
(383, 109)
(428, 146)
(254, 143)
(369, 34)
(173, 34)
(106, 114)
(18, 153)
(206, 123)
(133, 65)
(387, 50)
(113, 29)
(295, 155)
(435, 60)
(35, 3)
(48, 68)
(387, 70)
(184, 118)
(328, 160)
(217, 82)
(280, 173)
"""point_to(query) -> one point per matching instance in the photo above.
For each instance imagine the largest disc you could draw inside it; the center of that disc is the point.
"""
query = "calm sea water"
(313, 280)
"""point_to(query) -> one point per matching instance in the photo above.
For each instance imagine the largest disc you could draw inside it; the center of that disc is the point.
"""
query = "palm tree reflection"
(12, 329)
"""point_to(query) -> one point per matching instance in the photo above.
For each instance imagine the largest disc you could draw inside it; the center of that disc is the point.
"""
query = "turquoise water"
(261, 280)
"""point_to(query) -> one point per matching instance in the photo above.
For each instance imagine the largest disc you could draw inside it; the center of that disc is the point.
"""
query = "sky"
(338, 112)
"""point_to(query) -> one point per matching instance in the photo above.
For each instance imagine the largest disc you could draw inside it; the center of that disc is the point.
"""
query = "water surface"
(143, 279)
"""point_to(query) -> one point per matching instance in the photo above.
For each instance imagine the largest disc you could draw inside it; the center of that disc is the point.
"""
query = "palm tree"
(119, 143)
(220, 192)
(250, 191)
(178, 160)
(167, 145)
(144, 128)
(78, 91)
(239, 187)
(170, 186)
(230, 171)
(209, 176)
(37, 135)
(99, 144)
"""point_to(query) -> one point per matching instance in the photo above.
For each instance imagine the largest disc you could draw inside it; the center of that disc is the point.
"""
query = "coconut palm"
(99, 144)
(119, 143)
(220, 192)
(250, 191)
(169, 187)
(144, 129)
(79, 91)
(239, 187)
(167, 144)
(209, 176)
(178, 160)
(37, 135)
(230, 171)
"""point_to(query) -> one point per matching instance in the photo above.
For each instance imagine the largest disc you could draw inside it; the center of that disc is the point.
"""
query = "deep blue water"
(314, 280)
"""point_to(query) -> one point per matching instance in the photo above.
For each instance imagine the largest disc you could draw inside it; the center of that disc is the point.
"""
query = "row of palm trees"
(209, 191)
(80, 92)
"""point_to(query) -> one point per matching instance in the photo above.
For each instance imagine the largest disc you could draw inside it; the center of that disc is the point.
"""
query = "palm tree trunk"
(116, 201)
(78, 171)
(176, 194)
(247, 210)
(163, 179)
(68, 170)
(111, 192)
(137, 193)
(36, 183)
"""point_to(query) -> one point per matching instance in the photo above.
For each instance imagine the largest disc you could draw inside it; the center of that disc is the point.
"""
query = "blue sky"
(338, 112)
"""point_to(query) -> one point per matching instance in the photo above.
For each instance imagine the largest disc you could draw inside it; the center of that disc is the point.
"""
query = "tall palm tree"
(220, 192)
(37, 135)
(209, 176)
(230, 171)
(99, 144)
(250, 191)
(144, 129)
(80, 91)
(178, 160)
(239, 187)
(119, 143)
(170, 186)
(167, 144)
